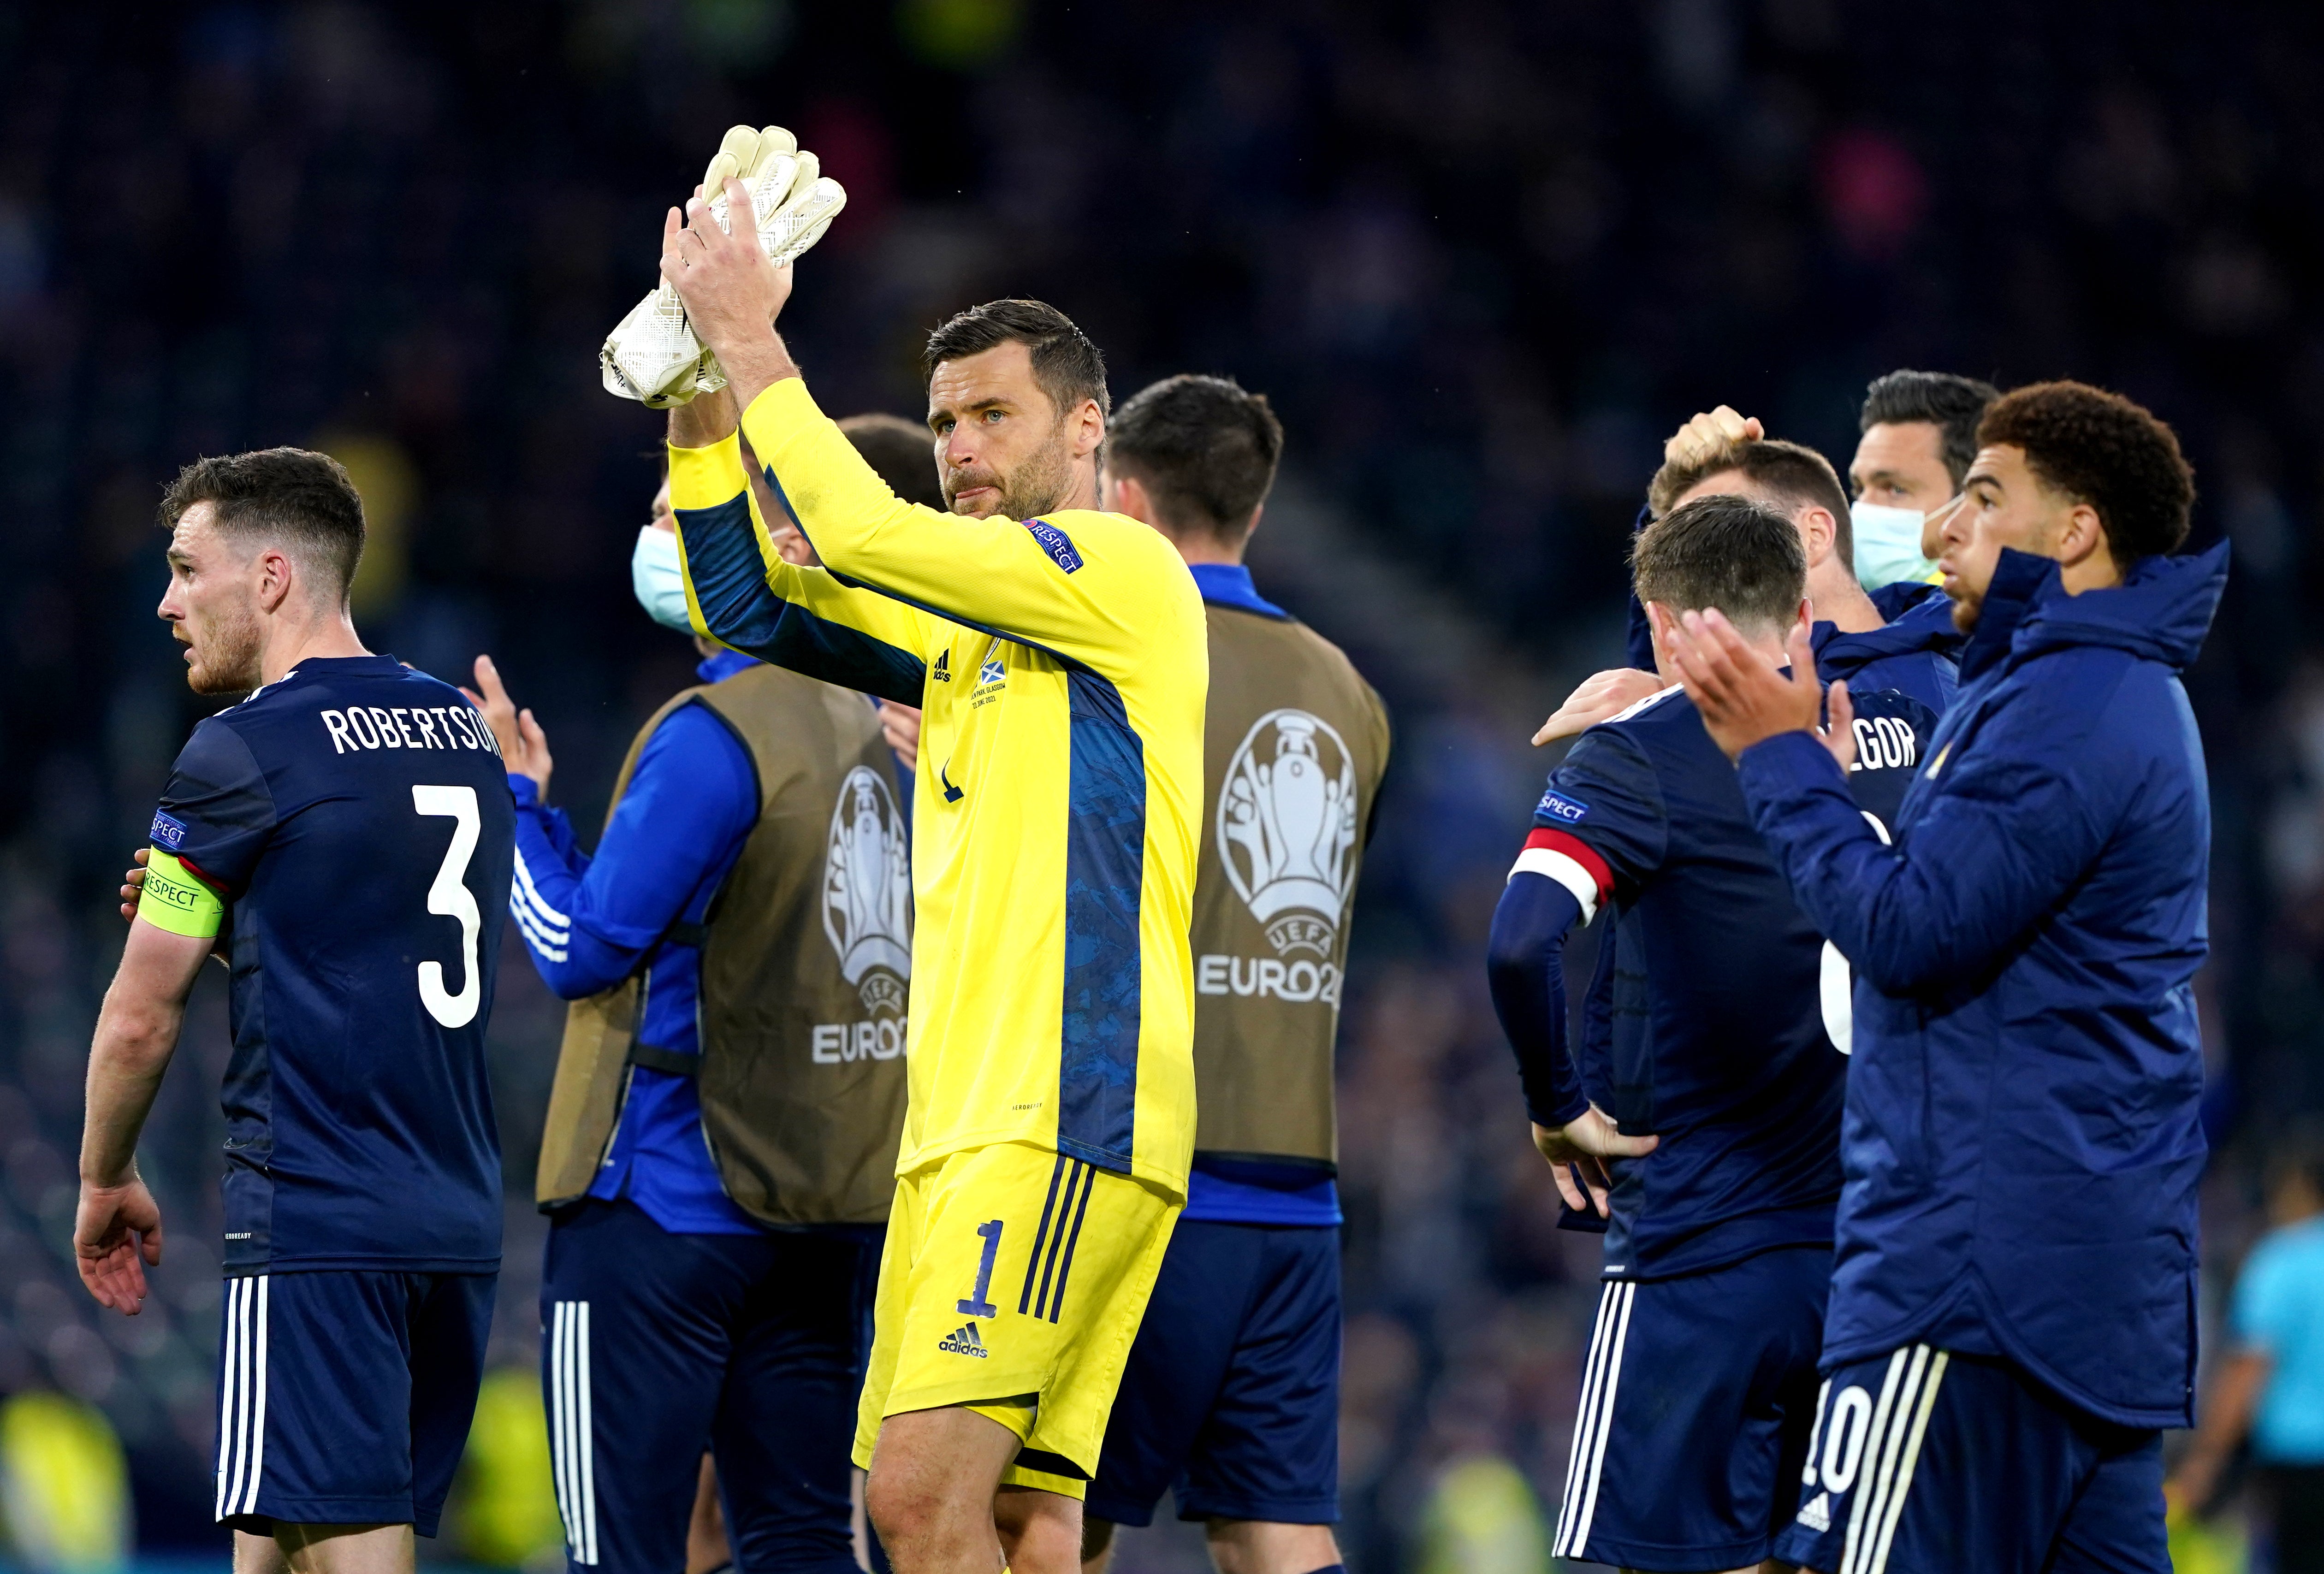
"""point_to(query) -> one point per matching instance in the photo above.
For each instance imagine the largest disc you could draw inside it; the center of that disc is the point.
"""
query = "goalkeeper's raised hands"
(733, 293)
(653, 354)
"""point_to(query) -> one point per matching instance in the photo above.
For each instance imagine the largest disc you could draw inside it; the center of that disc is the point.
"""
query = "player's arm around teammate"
(1915, 448)
(1716, 1037)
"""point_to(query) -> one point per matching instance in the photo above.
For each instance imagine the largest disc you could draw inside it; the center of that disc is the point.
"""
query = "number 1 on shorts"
(976, 1305)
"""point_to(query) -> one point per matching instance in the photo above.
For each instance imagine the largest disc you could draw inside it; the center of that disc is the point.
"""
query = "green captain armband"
(176, 899)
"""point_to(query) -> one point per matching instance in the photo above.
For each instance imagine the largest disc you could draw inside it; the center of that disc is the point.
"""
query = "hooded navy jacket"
(2021, 1141)
(1916, 651)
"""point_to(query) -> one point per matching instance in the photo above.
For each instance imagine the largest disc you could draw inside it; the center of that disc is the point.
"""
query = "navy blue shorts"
(656, 1348)
(345, 1396)
(1697, 1398)
(1927, 1463)
(1231, 1393)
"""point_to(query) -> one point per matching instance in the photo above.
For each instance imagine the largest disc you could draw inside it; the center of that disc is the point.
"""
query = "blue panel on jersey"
(1105, 860)
(729, 586)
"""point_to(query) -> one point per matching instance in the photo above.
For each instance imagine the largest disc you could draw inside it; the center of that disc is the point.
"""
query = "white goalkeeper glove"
(652, 354)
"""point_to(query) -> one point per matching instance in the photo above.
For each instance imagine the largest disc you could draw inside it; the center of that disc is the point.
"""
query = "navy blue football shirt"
(1712, 1028)
(358, 816)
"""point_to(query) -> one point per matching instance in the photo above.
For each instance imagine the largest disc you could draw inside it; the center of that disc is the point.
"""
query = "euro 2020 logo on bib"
(1287, 828)
(867, 890)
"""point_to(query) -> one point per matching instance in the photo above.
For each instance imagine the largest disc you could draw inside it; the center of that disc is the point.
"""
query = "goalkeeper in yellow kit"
(1061, 657)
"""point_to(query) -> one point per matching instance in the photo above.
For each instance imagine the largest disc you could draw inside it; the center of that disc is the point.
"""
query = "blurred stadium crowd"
(1481, 256)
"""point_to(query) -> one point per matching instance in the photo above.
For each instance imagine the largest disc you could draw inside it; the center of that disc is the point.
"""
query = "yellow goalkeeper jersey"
(1062, 666)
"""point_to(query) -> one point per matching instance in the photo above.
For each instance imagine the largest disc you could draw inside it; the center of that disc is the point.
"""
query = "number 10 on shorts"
(976, 1305)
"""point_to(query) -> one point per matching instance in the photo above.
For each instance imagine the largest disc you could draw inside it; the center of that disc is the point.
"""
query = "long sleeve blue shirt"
(589, 923)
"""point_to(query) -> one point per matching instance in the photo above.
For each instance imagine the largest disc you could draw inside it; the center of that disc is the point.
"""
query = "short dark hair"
(1793, 472)
(1953, 405)
(1727, 551)
(2102, 449)
(1065, 364)
(295, 496)
(1205, 446)
(902, 453)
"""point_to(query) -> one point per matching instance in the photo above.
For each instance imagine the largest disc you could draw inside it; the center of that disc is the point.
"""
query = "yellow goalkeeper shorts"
(1014, 1281)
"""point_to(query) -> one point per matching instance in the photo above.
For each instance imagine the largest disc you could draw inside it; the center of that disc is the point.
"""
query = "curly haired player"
(2013, 1302)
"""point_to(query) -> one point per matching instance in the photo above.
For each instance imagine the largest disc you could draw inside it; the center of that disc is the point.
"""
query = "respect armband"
(175, 898)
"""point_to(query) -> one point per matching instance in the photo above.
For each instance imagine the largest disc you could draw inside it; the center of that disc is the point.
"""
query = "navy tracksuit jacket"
(2021, 1143)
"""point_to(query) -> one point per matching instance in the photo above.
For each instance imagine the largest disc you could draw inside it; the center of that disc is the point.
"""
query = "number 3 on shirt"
(451, 899)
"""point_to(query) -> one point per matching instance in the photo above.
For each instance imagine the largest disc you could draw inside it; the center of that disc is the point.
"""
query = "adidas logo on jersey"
(1817, 1514)
(964, 1343)
(943, 673)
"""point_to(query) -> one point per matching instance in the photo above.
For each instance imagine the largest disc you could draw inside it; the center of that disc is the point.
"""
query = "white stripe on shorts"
(1601, 1381)
(1600, 1328)
(228, 1431)
(1902, 1416)
(242, 1398)
(1879, 1563)
(560, 1456)
(587, 1431)
(1868, 1459)
(258, 1398)
(556, 1417)
(570, 1430)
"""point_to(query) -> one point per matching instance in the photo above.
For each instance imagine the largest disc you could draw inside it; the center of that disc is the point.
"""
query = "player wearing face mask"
(1883, 631)
(898, 451)
(1919, 436)
(717, 1162)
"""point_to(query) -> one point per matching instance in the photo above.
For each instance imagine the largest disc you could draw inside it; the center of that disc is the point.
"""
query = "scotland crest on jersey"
(866, 889)
(1287, 828)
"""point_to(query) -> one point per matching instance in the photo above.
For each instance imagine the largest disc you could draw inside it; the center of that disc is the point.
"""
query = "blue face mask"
(659, 584)
(1888, 544)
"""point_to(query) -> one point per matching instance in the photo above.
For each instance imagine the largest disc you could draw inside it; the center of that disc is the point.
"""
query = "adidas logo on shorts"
(1817, 1514)
(964, 1342)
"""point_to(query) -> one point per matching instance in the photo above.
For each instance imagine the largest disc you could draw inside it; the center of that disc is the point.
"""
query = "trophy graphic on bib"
(867, 890)
(1287, 829)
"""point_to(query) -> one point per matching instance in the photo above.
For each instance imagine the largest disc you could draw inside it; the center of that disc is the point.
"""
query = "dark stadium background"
(1483, 256)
